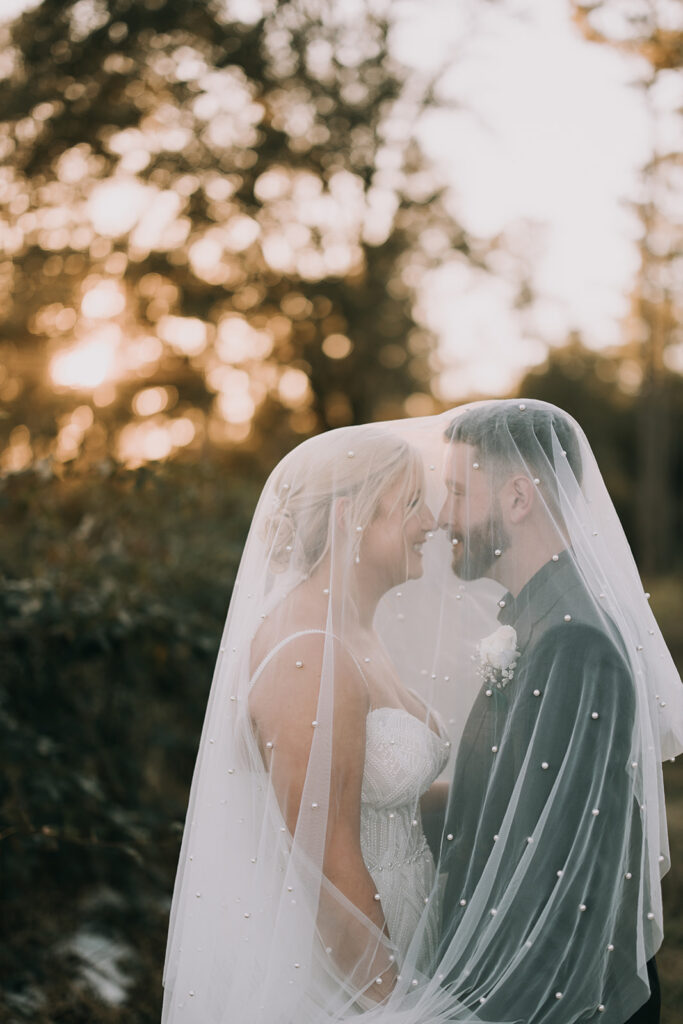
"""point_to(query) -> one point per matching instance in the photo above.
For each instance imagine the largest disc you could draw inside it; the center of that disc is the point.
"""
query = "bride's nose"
(428, 521)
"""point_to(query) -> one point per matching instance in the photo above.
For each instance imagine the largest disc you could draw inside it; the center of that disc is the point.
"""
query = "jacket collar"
(539, 596)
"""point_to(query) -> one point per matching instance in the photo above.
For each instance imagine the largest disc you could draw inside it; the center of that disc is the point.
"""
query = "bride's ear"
(341, 513)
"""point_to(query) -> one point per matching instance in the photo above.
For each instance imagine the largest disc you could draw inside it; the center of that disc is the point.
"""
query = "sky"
(544, 145)
(546, 149)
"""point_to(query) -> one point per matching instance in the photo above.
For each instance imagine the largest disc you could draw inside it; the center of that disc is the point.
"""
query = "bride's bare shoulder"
(298, 613)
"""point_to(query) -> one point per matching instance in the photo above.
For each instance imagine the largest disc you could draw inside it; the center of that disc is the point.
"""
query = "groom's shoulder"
(579, 639)
(581, 658)
(575, 623)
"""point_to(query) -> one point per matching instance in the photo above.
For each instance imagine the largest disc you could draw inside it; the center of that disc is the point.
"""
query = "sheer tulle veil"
(469, 570)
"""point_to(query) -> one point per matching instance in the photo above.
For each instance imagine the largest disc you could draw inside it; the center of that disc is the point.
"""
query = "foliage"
(651, 34)
(108, 639)
(237, 215)
(601, 390)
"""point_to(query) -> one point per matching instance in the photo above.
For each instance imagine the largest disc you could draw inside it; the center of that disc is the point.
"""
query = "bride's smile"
(392, 543)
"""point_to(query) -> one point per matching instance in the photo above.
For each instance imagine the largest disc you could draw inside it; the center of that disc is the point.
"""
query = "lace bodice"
(403, 757)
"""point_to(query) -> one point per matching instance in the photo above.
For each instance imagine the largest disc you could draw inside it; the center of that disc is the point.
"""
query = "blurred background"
(226, 225)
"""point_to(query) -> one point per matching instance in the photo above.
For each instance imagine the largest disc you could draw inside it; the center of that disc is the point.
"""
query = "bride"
(365, 515)
(327, 885)
(306, 891)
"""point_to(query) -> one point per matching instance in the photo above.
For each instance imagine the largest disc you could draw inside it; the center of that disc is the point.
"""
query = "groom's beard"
(474, 554)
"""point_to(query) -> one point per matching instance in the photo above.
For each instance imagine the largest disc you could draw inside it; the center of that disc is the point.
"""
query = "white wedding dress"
(403, 756)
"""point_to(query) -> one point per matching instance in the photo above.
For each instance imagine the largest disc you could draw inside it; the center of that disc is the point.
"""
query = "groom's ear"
(520, 497)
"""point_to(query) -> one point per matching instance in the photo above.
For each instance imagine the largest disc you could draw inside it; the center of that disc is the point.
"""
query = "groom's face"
(471, 514)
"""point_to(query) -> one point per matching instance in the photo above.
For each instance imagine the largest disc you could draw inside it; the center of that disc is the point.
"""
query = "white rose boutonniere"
(498, 656)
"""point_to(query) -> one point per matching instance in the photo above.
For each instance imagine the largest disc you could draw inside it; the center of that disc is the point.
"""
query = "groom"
(534, 753)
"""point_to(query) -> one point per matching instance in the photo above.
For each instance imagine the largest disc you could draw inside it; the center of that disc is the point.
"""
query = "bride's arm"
(434, 800)
(352, 925)
(433, 805)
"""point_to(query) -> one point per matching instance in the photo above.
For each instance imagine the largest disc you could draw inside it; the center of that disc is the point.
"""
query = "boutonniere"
(498, 656)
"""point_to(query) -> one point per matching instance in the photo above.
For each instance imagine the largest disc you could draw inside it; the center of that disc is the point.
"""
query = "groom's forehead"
(462, 460)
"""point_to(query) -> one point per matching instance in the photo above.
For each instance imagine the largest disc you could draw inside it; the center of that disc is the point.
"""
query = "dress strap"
(306, 632)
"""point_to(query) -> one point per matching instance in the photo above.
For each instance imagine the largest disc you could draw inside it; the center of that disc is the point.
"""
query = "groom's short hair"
(509, 434)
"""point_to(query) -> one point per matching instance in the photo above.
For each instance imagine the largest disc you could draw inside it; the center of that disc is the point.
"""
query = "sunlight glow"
(73, 427)
(19, 453)
(139, 354)
(88, 363)
(115, 205)
(104, 300)
(182, 431)
(185, 334)
(240, 232)
(236, 406)
(294, 388)
(205, 257)
(150, 401)
(237, 341)
(234, 402)
(151, 440)
(337, 346)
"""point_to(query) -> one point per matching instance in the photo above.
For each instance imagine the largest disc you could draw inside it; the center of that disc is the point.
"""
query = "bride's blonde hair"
(360, 466)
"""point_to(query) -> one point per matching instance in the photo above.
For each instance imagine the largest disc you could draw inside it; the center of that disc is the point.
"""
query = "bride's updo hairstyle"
(360, 467)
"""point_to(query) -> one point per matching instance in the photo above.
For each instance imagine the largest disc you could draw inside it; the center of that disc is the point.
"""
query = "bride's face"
(391, 548)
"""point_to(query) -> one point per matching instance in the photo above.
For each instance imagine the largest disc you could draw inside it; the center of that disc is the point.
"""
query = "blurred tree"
(211, 235)
(651, 31)
(213, 230)
(602, 390)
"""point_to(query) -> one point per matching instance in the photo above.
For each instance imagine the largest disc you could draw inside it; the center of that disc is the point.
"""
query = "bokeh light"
(294, 388)
(103, 300)
(149, 401)
(337, 346)
(88, 363)
(185, 334)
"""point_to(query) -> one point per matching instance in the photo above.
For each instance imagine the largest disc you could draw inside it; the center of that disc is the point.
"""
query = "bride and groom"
(306, 888)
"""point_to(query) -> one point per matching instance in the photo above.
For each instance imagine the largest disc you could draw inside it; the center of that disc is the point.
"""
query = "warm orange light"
(104, 300)
(240, 232)
(237, 341)
(150, 401)
(236, 406)
(18, 454)
(88, 363)
(294, 388)
(419, 404)
(186, 334)
(337, 346)
(182, 431)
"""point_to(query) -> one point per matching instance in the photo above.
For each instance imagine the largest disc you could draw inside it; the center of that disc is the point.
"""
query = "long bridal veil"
(550, 677)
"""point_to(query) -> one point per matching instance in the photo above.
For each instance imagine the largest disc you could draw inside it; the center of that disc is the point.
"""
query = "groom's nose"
(445, 515)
